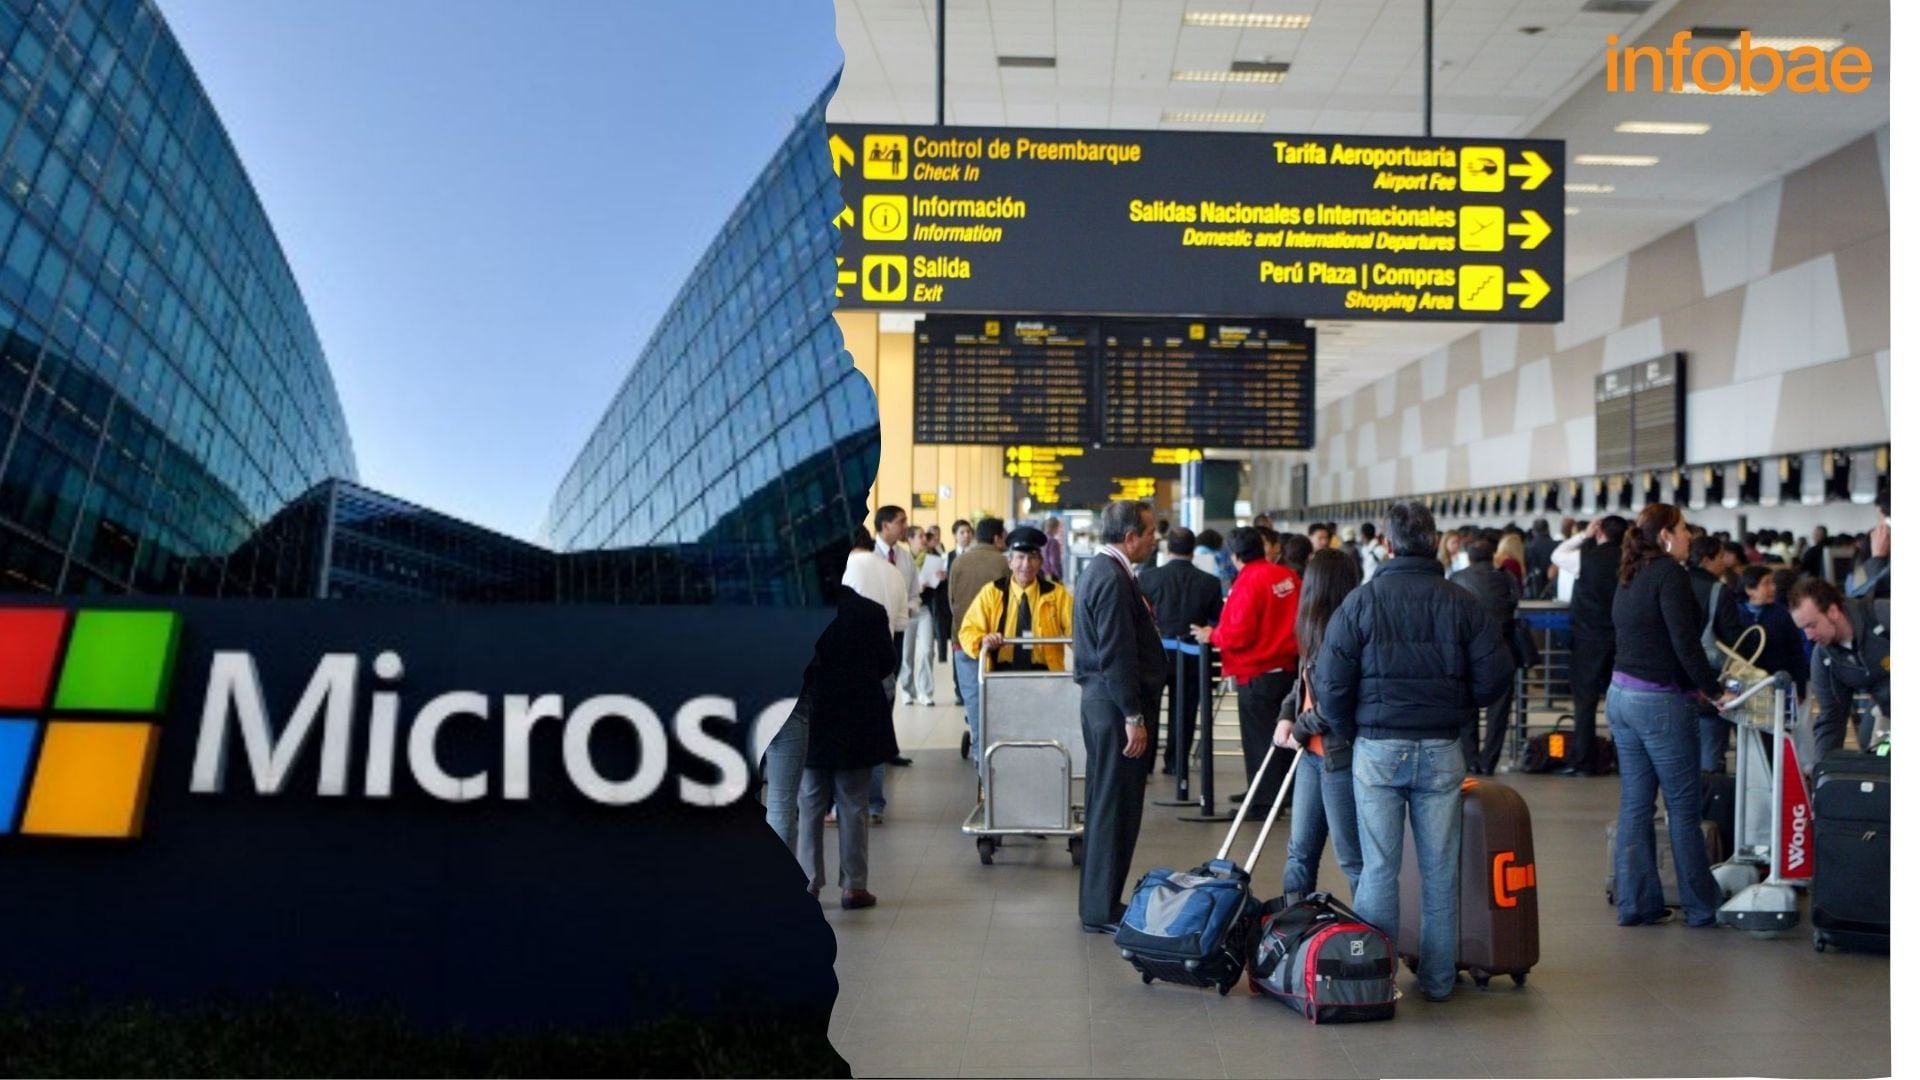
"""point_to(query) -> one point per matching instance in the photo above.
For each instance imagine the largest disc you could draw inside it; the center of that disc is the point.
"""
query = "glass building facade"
(162, 391)
(734, 462)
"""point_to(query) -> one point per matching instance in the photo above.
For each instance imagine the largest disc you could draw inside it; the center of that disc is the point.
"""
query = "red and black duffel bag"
(1330, 965)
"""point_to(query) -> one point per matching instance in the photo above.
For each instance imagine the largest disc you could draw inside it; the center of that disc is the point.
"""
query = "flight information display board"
(1140, 383)
(1639, 416)
(1076, 478)
(1244, 385)
(1202, 223)
(993, 381)
(1659, 411)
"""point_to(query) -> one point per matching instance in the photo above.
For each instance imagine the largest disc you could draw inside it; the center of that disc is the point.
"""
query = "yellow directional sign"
(841, 151)
(1531, 288)
(845, 277)
(843, 218)
(1535, 171)
(1206, 224)
(1532, 229)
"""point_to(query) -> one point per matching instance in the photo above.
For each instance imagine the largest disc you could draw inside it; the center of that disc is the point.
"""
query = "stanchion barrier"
(1207, 813)
(1176, 725)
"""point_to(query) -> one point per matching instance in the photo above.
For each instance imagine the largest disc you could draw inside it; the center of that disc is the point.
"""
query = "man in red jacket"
(1258, 651)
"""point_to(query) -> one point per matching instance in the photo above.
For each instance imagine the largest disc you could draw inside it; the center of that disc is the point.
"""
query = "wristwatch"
(1136, 721)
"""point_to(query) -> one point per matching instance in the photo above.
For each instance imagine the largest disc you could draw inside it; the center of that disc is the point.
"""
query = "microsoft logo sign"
(81, 695)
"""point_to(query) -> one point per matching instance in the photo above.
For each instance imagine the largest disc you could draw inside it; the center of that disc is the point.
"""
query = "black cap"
(1026, 538)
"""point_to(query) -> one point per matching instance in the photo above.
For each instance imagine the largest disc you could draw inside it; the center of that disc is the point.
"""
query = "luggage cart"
(1546, 680)
(1034, 768)
(1772, 815)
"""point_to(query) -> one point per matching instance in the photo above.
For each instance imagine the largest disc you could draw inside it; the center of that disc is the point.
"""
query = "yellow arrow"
(1532, 289)
(846, 277)
(1535, 229)
(842, 153)
(844, 217)
(1536, 170)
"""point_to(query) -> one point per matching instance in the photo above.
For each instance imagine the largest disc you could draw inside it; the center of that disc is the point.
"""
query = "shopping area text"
(1105, 222)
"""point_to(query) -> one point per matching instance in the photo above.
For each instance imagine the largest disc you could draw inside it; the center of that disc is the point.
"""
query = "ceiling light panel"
(1590, 189)
(1215, 116)
(1629, 161)
(1247, 20)
(1660, 127)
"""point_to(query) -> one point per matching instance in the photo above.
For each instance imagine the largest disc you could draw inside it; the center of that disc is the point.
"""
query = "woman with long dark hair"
(1660, 675)
(1323, 783)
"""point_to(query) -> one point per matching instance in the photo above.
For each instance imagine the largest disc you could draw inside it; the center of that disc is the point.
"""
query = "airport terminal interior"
(1712, 332)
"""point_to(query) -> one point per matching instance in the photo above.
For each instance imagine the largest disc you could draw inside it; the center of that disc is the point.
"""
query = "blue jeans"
(786, 759)
(1658, 740)
(1322, 806)
(1392, 780)
(966, 671)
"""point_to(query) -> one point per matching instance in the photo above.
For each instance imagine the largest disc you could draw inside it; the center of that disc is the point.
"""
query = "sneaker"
(855, 899)
(928, 700)
(833, 817)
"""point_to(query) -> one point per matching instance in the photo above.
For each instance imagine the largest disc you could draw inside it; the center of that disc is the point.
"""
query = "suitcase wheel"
(1519, 978)
(985, 846)
(966, 745)
(1077, 850)
(1225, 989)
(1819, 942)
(1482, 981)
(1147, 977)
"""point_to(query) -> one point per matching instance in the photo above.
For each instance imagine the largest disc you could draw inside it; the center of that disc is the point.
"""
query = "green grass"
(296, 1037)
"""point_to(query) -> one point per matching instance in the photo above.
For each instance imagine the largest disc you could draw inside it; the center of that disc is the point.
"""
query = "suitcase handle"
(1272, 811)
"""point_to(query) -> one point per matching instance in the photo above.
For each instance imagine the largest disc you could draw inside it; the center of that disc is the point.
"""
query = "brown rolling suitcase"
(1499, 902)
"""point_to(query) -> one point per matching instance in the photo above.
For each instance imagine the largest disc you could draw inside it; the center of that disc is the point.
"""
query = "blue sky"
(489, 204)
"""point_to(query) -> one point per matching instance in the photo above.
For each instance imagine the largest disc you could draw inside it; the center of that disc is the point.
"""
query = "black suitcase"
(1716, 804)
(1852, 851)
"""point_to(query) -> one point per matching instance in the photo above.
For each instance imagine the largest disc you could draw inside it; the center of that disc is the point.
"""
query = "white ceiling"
(1357, 70)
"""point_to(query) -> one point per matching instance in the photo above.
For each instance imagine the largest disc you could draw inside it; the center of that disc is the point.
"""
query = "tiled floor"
(970, 970)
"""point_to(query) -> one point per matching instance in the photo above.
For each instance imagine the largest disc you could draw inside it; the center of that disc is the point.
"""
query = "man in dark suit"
(1183, 596)
(1121, 669)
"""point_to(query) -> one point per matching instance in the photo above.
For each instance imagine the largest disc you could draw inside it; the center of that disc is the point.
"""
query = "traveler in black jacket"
(1183, 596)
(850, 730)
(1594, 557)
(1501, 598)
(1121, 670)
(1409, 660)
(1660, 680)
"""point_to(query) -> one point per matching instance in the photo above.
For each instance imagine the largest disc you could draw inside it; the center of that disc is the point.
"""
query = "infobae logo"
(1752, 66)
(80, 718)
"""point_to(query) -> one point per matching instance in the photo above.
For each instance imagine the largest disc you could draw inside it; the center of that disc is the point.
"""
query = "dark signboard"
(502, 816)
(991, 381)
(1180, 383)
(1076, 478)
(1639, 415)
(1204, 224)
(1000, 380)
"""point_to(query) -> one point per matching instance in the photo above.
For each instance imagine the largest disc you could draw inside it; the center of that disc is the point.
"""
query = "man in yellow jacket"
(1025, 605)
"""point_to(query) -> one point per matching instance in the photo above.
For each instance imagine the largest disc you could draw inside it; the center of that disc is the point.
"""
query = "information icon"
(884, 217)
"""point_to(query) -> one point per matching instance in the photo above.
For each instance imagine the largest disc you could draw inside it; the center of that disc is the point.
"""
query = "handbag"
(1747, 670)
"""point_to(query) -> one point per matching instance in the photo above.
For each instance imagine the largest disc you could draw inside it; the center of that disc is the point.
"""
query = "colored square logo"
(883, 217)
(118, 661)
(91, 779)
(1482, 288)
(16, 756)
(29, 644)
(884, 157)
(1483, 168)
(84, 770)
(1483, 228)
